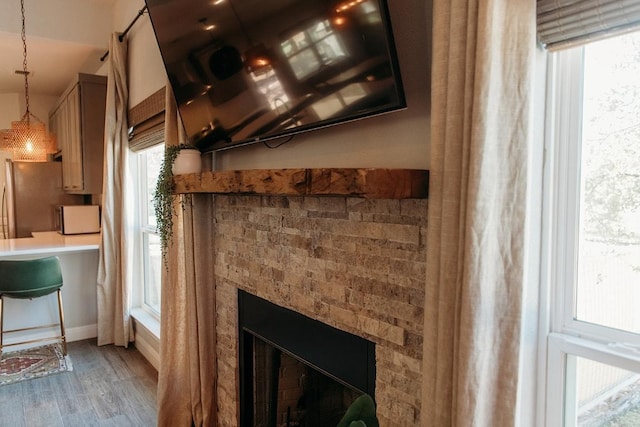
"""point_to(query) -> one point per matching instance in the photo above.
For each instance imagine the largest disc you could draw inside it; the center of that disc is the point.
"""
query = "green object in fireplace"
(361, 413)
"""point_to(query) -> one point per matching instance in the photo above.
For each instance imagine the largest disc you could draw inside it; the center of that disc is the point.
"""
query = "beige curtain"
(186, 379)
(114, 271)
(483, 54)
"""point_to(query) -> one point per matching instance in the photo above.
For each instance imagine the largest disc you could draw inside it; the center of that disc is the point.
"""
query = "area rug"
(33, 363)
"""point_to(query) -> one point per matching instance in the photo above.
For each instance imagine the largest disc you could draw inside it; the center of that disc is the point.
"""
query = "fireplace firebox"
(297, 371)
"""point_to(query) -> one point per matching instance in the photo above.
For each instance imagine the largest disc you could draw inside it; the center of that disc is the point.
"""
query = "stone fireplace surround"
(353, 263)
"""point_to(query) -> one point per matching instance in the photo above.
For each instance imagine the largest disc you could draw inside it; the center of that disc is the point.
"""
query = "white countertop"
(49, 242)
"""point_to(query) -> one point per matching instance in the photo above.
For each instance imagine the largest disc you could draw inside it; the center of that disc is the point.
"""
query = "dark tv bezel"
(396, 77)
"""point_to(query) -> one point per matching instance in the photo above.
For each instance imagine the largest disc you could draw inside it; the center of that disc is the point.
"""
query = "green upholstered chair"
(29, 279)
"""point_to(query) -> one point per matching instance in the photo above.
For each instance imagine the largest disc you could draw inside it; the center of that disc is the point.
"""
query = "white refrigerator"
(32, 190)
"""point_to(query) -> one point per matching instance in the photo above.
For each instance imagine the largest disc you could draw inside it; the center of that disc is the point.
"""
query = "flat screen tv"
(246, 71)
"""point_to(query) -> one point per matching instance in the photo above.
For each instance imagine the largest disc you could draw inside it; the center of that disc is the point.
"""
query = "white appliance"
(79, 219)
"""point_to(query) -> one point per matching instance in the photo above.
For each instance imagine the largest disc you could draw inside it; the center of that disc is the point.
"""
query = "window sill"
(147, 321)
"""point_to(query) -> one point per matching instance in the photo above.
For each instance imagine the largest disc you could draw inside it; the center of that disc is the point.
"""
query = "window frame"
(566, 336)
(143, 231)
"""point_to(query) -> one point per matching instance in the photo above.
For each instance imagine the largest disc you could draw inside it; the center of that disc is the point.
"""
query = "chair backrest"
(30, 278)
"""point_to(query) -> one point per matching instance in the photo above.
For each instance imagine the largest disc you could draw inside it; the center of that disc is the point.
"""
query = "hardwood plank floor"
(109, 386)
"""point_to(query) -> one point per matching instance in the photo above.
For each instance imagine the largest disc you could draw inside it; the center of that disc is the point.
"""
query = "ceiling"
(63, 37)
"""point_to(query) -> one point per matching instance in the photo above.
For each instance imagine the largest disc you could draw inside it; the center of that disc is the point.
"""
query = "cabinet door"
(56, 125)
(72, 151)
(78, 123)
(63, 138)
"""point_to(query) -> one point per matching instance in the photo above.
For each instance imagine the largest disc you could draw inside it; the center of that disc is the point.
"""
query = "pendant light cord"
(24, 62)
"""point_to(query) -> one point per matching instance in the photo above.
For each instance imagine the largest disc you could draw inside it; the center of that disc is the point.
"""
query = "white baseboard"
(80, 333)
(77, 333)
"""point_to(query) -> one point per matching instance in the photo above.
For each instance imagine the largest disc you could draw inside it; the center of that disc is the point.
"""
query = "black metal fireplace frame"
(349, 359)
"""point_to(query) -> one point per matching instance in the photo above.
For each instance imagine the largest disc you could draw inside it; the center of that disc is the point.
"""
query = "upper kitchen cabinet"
(77, 120)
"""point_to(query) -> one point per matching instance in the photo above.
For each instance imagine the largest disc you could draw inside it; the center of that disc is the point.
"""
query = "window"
(149, 253)
(592, 234)
(313, 48)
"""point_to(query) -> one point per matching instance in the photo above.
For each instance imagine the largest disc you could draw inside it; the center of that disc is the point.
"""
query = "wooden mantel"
(366, 183)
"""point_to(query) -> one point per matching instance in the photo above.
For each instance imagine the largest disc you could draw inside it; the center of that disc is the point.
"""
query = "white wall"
(395, 140)
(13, 107)
(9, 109)
(76, 21)
(40, 105)
(146, 70)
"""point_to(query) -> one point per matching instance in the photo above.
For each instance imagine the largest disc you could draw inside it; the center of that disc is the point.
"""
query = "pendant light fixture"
(28, 138)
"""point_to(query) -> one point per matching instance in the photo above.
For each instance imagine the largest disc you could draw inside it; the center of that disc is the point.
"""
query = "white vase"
(187, 161)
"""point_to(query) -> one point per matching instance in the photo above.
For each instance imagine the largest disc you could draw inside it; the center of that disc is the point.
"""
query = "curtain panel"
(116, 252)
(481, 104)
(186, 378)
(567, 23)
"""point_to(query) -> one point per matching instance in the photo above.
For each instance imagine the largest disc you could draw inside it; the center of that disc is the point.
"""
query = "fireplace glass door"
(287, 392)
(297, 371)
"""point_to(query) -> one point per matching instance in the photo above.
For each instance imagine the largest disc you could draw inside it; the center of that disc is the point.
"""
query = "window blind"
(567, 23)
(146, 122)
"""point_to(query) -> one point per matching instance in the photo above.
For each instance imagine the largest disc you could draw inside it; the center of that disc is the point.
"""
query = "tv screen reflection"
(244, 71)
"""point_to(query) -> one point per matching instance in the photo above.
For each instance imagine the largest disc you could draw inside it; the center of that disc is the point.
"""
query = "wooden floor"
(109, 386)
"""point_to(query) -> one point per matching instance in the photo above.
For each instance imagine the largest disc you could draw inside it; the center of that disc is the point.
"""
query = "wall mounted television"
(246, 71)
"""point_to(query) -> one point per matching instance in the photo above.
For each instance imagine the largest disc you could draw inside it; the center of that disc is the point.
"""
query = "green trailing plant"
(163, 197)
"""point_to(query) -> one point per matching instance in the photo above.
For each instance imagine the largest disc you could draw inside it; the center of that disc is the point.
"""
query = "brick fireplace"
(355, 264)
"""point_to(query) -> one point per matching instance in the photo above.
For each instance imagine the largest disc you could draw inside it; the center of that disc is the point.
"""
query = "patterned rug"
(33, 363)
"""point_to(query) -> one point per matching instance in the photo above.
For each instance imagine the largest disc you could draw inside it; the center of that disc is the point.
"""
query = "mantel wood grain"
(365, 183)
